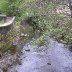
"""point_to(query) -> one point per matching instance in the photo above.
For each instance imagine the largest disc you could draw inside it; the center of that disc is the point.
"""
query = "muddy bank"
(8, 60)
(52, 57)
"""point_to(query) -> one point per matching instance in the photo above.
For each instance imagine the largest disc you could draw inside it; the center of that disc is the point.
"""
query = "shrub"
(13, 11)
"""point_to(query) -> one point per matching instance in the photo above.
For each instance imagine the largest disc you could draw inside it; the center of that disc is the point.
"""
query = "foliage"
(56, 25)
(13, 11)
(10, 8)
(6, 40)
(48, 22)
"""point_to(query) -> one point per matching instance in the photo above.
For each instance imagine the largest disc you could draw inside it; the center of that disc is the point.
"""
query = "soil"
(7, 60)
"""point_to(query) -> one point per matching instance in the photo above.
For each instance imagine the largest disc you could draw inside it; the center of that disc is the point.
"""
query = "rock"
(49, 63)
(27, 50)
(23, 35)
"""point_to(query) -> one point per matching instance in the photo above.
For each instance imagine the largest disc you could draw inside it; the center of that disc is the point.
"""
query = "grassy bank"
(56, 25)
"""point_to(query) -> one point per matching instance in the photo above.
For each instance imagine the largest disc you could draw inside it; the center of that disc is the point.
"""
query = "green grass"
(55, 25)
(2, 21)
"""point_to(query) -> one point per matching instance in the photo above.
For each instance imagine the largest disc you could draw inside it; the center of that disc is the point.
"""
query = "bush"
(13, 11)
(10, 8)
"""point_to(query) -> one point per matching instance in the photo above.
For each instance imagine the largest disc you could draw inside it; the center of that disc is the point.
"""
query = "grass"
(55, 25)
(52, 24)
(2, 21)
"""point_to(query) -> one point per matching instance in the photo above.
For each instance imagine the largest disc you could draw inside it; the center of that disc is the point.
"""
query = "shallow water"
(53, 57)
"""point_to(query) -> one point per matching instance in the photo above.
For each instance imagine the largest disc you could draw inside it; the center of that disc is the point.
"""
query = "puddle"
(53, 57)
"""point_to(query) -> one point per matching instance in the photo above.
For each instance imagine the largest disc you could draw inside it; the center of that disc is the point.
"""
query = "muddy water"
(53, 57)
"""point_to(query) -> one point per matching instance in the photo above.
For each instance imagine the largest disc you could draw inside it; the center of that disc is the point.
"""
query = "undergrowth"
(55, 25)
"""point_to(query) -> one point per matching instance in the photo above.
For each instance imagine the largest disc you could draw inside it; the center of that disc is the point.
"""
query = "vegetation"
(48, 21)
(1, 21)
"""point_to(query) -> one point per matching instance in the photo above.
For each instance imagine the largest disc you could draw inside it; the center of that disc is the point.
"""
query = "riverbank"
(53, 17)
(8, 60)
